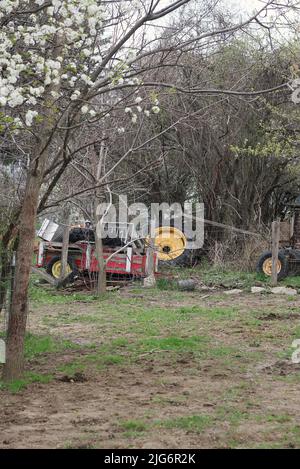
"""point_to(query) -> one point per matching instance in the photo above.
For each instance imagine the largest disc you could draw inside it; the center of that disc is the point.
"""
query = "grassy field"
(158, 368)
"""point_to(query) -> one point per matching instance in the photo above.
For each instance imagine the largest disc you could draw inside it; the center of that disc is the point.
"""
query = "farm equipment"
(289, 253)
(123, 257)
(172, 246)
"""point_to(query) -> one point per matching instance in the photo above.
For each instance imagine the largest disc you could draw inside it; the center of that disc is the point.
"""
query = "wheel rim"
(56, 269)
(169, 242)
(267, 266)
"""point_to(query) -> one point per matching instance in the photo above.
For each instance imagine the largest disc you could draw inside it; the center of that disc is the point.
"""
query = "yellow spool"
(169, 242)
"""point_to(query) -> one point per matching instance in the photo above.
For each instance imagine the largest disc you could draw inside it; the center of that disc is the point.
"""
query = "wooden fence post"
(150, 281)
(65, 244)
(275, 250)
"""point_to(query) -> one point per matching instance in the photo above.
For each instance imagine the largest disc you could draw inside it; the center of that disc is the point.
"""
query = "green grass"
(166, 284)
(278, 418)
(192, 423)
(212, 313)
(71, 368)
(231, 415)
(175, 343)
(18, 385)
(291, 281)
(135, 426)
(165, 329)
(48, 295)
(221, 275)
(37, 345)
(224, 276)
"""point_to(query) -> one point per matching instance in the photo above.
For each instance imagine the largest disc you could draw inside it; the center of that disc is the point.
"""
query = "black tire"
(284, 270)
(77, 234)
(294, 262)
(83, 234)
(54, 259)
(184, 260)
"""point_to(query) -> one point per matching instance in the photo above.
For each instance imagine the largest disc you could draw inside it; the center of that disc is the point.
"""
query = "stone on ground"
(283, 291)
(257, 289)
(235, 291)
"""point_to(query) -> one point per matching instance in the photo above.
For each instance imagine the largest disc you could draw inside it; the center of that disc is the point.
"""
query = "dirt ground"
(157, 369)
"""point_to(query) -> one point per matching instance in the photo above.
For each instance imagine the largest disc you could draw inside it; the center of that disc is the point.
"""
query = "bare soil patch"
(161, 387)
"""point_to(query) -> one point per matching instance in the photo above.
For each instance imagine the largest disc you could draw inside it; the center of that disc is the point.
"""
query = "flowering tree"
(66, 64)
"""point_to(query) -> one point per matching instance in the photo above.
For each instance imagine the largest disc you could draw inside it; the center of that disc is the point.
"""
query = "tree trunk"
(8, 244)
(65, 245)
(4, 274)
(14, 365)
(101, 282)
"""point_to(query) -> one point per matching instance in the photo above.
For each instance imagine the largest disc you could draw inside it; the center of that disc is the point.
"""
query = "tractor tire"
(184, 260)
(84, 234)
(81, 234)
(264, 265)
(171, 247)
(77, 234)
(294, 262)
(54, 265)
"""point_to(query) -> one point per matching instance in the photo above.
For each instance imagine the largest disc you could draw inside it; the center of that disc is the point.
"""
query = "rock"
(236, 291)
(186, 285)
(257, 289)
(283, 291)
(206, 287)
(149, 282)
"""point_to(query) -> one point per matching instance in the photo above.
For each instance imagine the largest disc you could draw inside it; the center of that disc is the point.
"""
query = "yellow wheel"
(169, 242)
(54, 267)
(267, 267)
(264, 264)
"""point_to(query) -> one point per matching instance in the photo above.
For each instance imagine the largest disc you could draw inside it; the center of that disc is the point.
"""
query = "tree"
(65, 65)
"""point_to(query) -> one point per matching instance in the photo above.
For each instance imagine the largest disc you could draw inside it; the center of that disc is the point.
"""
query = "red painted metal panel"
(117, 264)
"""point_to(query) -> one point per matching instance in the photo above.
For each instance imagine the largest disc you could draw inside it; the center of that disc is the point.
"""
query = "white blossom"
(84, 109)
(15, 98)
(30, 115)
(86, 52)
(155, 109)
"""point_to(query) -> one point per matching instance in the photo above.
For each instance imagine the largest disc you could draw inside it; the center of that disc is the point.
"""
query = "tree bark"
(4, 274)
(8, 244)
(15, 338)
(65, 245)
(14, 365)
(101, 283)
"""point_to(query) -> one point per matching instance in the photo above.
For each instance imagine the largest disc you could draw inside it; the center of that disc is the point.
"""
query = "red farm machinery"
(125, 256)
